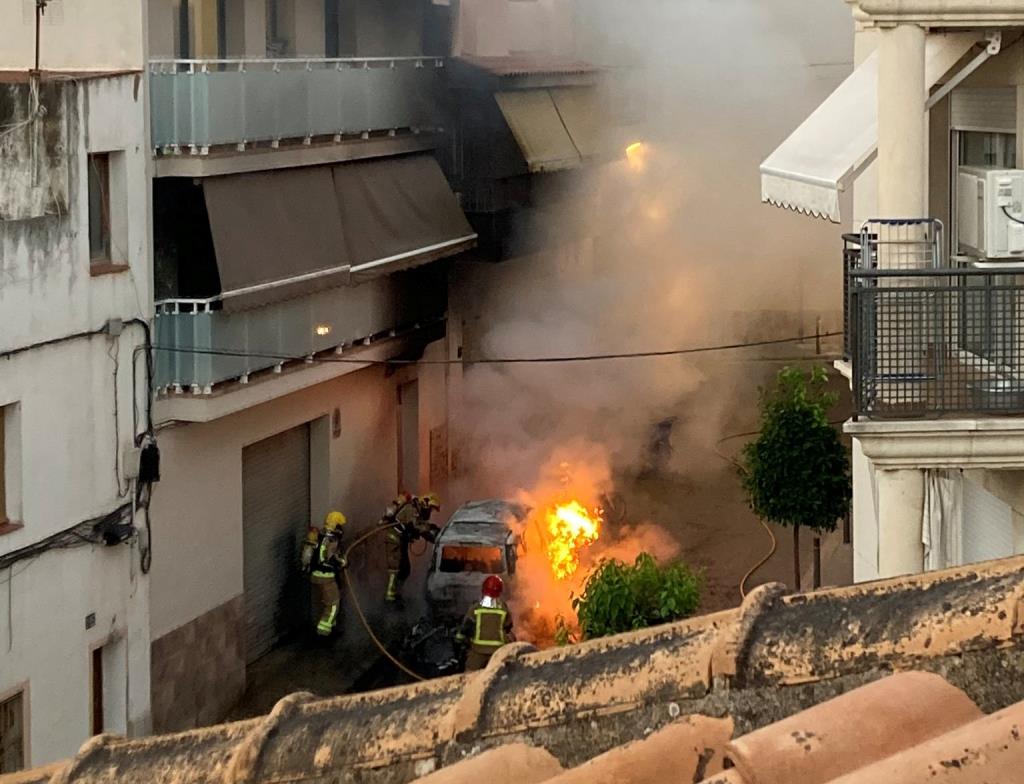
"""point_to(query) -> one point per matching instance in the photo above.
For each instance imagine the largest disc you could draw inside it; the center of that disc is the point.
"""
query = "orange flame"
(570, 527)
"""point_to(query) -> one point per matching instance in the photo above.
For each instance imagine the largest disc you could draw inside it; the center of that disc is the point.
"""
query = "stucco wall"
(93, 36)
(197, 508)
(47, 648)
(66, 440)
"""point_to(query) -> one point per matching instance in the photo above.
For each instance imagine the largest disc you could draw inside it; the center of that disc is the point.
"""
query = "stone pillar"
(902, 123)
(900, 515)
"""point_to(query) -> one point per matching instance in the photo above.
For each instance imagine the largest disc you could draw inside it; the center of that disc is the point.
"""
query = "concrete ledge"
(941, 443)
(267, 158)
(940, 13)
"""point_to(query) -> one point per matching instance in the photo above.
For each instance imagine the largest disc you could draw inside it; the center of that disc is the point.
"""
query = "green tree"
(796, 472)
(619, 597)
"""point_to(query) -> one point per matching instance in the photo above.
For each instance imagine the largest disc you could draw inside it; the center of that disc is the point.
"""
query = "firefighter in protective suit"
(486, 627)
(326, 564)
(409, 517)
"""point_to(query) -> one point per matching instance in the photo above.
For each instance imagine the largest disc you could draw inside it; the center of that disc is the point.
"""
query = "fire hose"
(771, 535)
(359, 610)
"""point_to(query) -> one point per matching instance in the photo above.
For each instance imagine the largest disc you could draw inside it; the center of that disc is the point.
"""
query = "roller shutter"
(275, 515)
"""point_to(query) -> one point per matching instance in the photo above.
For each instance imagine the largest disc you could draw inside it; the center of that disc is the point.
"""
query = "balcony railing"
(198, 344)
(929, 342)
(198, 104)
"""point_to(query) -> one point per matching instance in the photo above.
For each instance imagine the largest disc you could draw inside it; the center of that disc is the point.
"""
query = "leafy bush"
(618, 597)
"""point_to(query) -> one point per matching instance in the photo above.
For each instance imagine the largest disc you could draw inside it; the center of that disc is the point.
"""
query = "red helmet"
(493, 586)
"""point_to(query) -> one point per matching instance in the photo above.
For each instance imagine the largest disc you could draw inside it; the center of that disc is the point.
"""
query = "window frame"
(21, 690)
(98, 175)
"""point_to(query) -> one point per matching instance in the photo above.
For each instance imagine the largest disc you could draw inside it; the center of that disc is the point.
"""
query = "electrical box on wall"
(990, 212)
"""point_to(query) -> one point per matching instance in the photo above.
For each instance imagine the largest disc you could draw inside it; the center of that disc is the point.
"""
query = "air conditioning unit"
(990, 212)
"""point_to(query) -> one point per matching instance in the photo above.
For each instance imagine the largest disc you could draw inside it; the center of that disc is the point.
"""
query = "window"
(12, 733)
(3, 478)
(108, 212)
(10, 469)
(99, 207)
(486, 560)
(97, 691)
(987, 149)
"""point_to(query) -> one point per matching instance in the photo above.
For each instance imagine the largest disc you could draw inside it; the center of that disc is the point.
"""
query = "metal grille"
(927, 342)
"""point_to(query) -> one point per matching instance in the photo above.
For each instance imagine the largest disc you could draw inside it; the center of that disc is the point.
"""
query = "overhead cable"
(490, 360)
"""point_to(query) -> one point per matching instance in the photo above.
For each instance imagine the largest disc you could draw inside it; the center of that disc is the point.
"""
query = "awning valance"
(287, 233)
(822, 157)
(555, 128)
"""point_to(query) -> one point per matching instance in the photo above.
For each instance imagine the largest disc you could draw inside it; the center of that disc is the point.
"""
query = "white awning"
(822, 157)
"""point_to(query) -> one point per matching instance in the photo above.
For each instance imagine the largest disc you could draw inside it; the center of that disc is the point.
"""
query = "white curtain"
(943, 523)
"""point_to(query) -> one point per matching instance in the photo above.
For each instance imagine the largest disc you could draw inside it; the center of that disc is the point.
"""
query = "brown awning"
(578, 108)
(398, 213)
(277, 235)
(284, 234)
(556, 128)
(540, 133)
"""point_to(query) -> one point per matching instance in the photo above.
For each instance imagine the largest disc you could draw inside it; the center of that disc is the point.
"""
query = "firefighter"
(325, 567)
(487, 626)
(409, 517)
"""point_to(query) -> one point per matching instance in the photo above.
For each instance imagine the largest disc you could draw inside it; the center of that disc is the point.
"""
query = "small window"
(12, 734)
(10, 469)
(99, 207)
(486, 560)
(3, 471)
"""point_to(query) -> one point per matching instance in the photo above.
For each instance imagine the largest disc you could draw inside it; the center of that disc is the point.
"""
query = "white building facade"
(932, 325)
(75, 307)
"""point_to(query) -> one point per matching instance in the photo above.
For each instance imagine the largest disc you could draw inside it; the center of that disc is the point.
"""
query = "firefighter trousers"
(397, 553)
(326, 598)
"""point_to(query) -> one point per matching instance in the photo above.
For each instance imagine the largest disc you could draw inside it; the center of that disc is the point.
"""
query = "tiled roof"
(529, 65)
(764, 672)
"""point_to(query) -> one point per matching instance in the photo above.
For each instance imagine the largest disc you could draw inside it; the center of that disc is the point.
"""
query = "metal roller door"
(275, 515)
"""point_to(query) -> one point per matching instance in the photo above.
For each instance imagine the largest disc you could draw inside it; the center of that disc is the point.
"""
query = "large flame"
(570, 526)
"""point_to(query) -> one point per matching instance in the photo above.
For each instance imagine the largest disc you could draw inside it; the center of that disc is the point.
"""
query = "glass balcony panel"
(209, 103)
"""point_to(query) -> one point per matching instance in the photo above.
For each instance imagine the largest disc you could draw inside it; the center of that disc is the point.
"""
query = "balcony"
(928, 340)
(200, 104)
(200, 344)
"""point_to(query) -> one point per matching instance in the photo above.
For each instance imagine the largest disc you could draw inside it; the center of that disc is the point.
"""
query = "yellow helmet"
(335, 521)
(432, 500)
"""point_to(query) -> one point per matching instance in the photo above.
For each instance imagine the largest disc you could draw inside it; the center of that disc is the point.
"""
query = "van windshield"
(472, 558)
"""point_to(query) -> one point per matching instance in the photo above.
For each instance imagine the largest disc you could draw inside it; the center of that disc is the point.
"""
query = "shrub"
(619, 597)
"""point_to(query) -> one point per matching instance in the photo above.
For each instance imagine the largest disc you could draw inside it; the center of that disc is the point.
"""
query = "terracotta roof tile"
(513, 763)
(690, 748)
(529, 64)
(853, 730)
(770, 659)
(987, 751)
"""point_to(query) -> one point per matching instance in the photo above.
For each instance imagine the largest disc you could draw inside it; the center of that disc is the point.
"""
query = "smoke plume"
(669, 249)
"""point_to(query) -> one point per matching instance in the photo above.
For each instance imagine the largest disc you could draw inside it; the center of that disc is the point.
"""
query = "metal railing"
(198, 104)
(929, 342)
(198, 344)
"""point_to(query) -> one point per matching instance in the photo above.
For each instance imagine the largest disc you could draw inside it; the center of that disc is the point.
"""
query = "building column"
(902, 123)
(900, 511)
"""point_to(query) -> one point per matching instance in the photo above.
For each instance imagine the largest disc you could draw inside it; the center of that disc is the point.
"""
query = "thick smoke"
(674, 251)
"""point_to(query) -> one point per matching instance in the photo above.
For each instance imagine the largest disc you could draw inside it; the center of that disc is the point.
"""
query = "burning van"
(479, 539)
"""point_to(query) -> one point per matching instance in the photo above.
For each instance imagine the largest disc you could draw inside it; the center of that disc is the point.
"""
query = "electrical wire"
(1006, 212)
(359, 610)
(490, 360)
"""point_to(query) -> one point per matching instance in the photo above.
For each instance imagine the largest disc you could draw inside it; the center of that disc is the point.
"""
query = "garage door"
(988, 525)
(275, 514)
